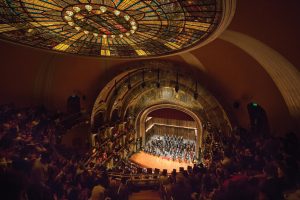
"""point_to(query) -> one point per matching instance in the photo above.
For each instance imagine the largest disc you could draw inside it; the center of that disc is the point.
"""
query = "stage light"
(88, 8)
(143, 84)
(158, 84)
(129, 82)
(70, 13)
(103, 9)
(177, 85)
(196, 91)
(196, 95)
(176, 88)
(143, 78)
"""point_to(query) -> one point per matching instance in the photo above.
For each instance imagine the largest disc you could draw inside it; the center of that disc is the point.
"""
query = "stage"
(149, 161)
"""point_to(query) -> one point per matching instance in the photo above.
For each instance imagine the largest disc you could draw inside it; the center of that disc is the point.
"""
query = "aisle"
(145, 195)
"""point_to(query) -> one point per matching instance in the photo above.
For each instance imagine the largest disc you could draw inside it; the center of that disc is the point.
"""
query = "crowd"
(109, 146)
(33, 165)
(171, 147)
(248, 168)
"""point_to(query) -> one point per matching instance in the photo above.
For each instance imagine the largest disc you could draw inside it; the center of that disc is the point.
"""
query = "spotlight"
(71, 23)
(129, 82)
(177, 85)
(70, 13)
(157, 84)
(176, 88)
(115, 88)
(143, 84)
(196, 91)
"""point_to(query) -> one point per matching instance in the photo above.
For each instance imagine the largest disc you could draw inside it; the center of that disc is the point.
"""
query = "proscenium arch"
(142, 116)
(206, 106)
(182, 87)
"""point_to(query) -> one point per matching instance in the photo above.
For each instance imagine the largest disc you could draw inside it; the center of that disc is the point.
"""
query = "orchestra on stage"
(171, 147)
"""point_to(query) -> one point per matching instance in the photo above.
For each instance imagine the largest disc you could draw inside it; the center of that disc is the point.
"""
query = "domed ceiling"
(110, 28)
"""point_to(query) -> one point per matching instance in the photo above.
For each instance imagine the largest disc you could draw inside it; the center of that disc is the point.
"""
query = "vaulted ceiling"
(230, 67)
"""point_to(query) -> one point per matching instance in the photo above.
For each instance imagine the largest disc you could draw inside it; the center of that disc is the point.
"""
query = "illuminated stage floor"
(149, 161)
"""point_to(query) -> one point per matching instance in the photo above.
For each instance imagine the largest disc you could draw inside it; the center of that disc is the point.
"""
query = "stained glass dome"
(109, 28)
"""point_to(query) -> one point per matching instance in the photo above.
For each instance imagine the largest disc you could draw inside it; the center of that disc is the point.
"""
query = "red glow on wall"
(168, 113)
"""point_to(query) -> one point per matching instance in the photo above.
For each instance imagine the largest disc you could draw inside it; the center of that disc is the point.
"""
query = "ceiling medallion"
(110, 28)
(92, 19)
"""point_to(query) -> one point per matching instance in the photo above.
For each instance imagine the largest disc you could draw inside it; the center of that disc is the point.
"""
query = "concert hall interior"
(148, 100)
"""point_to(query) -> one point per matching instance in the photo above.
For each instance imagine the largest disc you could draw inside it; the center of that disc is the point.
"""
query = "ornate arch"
(142, 116)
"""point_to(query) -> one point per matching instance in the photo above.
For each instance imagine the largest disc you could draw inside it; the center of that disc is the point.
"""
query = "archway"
(142, 116)
(177, 90)
(258, 119)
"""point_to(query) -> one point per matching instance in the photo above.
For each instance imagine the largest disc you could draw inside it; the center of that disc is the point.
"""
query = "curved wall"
(29, 76)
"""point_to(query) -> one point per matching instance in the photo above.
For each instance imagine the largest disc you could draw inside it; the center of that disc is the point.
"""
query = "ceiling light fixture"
(69, 13)
(117, 12)
(88, 8)
(76, 9)
(68, 18)
(71, 23)
(126, 17)
(103, 9)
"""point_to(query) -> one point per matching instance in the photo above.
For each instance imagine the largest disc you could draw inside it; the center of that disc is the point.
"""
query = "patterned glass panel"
(109, 28)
